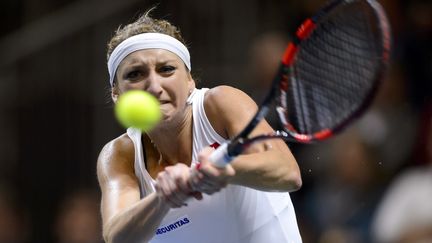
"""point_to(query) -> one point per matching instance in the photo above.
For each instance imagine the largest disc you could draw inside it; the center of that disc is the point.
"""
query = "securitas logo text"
(173, 226)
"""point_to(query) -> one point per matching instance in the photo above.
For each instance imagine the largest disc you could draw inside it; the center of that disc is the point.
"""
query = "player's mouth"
(162, 102)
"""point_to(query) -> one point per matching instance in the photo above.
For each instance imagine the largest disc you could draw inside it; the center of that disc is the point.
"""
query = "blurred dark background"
(56, 114)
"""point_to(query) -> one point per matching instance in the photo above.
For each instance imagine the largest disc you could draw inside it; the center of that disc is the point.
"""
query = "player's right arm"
(126, 217)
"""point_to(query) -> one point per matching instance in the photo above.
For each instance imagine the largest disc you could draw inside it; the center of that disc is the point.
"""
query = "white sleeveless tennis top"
(236, 214)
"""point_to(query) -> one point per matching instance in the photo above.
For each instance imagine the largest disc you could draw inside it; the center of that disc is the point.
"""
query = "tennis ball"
(139, 109)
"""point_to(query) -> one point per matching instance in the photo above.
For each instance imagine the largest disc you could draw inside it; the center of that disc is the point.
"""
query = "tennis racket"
(327, 78)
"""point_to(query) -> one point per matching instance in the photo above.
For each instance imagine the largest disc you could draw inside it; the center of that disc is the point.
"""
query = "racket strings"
(335, 69)
(333, 46)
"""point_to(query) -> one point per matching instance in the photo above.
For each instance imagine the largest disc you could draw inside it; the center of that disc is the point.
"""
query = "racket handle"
(220, 157)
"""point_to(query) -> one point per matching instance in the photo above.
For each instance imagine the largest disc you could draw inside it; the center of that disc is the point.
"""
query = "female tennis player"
(147, 194)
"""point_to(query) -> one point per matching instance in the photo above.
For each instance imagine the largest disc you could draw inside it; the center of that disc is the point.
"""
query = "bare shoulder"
(116, 157)
(228, 109)
(225, 94)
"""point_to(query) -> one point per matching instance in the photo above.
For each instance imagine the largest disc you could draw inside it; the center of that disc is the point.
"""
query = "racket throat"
(236, 147)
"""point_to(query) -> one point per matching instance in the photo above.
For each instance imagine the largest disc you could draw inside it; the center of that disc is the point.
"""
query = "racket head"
(331, 70)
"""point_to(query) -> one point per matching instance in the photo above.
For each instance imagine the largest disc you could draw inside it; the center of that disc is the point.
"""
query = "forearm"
(271, 170)
(137, 223)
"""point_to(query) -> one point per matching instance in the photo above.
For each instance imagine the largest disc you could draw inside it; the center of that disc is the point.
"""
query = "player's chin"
(171, 113)
(166, 119)
(167, 110)
(165, 115)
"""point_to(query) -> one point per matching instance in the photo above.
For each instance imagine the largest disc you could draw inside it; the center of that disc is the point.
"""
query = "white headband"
(146, 41)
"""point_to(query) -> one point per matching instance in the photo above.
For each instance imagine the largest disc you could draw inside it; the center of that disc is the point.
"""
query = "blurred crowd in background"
(372, 183)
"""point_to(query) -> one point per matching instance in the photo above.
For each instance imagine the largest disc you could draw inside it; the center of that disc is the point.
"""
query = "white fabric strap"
(146, 41)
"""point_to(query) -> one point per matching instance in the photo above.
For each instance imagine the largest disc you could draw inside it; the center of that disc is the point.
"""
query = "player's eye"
(133, 75)
(166, 69)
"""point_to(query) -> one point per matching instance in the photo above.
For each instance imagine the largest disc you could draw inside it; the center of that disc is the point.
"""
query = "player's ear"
(114, 94)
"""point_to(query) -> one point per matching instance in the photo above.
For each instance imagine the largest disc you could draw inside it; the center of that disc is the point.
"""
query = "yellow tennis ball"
(139, 109)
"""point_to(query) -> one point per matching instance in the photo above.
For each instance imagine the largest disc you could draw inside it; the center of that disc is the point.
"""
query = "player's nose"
(153, 85)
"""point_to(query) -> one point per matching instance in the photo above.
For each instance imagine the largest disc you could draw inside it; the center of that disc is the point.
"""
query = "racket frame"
(280, 85)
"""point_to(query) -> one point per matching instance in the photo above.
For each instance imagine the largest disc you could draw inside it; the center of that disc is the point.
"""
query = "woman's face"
(159, 72)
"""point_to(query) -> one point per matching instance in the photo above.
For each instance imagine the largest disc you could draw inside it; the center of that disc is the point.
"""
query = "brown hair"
(144, 24)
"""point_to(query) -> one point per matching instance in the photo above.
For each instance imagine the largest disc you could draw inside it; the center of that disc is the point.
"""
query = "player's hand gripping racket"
(328, 75)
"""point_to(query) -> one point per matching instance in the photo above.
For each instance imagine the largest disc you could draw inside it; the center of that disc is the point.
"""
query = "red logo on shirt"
(215, 145)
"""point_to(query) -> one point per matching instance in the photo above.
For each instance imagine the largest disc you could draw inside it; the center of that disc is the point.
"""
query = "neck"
(174, 143)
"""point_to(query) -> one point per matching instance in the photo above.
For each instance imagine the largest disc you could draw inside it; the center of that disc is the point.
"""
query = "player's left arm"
(268, 165)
